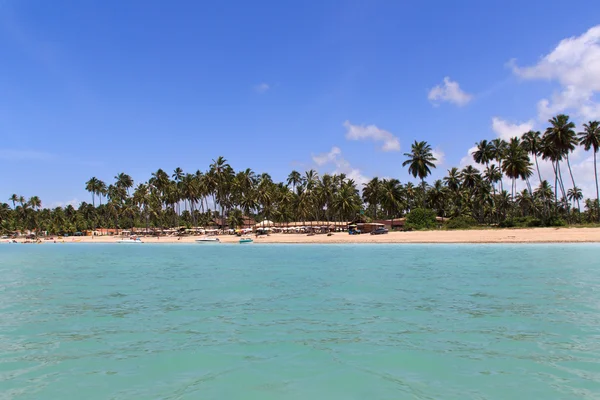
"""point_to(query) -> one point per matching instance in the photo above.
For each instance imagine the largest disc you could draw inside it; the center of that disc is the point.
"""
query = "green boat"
(246, 240)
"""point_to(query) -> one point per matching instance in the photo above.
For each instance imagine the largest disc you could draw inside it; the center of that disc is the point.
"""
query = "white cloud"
(468, 159)
(261, 88)
(73, 202)
(25, 155)
(575, 65)
(450, 92)
(324, 158)
(507, 130)
(439, 155)
(341, 165)
(372, 132)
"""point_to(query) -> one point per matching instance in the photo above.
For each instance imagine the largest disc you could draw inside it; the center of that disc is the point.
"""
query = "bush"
(533, 223)
(421, 218)
(507, 223)
(555, 221)
(462, 222)
(529, 222)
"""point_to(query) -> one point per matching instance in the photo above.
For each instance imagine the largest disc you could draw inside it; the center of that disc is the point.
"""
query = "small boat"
(208, 239)
(130, 240)
(246, 240)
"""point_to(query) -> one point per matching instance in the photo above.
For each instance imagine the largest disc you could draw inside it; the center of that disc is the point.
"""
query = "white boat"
(130, 240)
(208, 239)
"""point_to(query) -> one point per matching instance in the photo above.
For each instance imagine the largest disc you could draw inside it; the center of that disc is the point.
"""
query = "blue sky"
(94, 88)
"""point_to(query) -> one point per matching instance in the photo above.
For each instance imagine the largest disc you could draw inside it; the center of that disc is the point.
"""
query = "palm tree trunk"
(597, 191)
(560, 181)
(538, 168)
(573, 180)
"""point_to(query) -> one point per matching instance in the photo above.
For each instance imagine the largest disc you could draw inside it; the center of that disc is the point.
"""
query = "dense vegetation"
(472, 195)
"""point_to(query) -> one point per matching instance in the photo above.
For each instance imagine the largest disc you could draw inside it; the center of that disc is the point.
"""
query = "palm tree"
(562, 138)
(372, 194)
(391, 198)
(532, 143)
(574, 194)
(419, 161)
(516, 163)
(294, 179)
(453, 180)
(92, 187)
(483, 153)
(470, 177)
(589, 139)
(498, 150)
(35, 202)
(124, 181)
(14, 198)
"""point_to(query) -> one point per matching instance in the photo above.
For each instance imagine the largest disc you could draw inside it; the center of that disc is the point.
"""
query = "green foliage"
(462, 222)
(556, 221)
(530, 222)
(421, 218)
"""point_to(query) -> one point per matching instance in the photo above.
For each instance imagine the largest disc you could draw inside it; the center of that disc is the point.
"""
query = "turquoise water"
(299, 322)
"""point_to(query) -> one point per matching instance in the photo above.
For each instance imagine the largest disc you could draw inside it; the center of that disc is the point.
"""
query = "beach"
(533, 235)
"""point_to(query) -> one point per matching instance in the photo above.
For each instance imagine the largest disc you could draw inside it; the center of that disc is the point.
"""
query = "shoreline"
(474, 236)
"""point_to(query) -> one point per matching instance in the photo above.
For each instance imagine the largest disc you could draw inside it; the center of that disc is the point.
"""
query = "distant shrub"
(421, 218)
(530, 222)
(462, 222)
(533, 222)
(555, 221)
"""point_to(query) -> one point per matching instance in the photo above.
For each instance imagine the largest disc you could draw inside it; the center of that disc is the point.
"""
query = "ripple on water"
(294, 322)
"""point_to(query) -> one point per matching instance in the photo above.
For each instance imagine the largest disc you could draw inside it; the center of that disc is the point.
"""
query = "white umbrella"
(264, 223)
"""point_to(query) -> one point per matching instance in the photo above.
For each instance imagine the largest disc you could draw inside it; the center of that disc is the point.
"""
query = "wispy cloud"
(439, 155)
(262, 88)
(340, 165)
(324, 158)
(507, 130)
(73, 202)
(372, 132)
(450, 92)
(25, 155)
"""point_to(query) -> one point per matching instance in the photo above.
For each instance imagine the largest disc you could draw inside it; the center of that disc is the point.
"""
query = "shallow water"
(299, 321)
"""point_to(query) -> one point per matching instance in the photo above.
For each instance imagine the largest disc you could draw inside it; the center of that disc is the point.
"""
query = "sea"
(258, 321)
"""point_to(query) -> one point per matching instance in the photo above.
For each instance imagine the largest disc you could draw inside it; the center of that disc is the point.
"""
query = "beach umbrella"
(264, 224)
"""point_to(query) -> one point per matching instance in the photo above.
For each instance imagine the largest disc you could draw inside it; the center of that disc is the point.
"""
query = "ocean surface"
(299, 321)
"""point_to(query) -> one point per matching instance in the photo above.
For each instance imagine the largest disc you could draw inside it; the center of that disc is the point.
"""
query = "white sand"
(534, 235)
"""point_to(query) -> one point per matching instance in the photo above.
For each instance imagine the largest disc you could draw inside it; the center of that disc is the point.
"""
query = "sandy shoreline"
(534, 235)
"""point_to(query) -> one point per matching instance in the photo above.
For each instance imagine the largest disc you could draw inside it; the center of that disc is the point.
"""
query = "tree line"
(223, 196)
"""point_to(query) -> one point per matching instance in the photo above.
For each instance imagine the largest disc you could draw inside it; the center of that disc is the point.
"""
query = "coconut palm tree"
(391, 198)
(532, 143)
(372, 195)
(470, 177)
(574, 194)
(14, 199)
(562, 138)
(483, 153)
(590, 139)
(124, 181)
(294, 179)
(516, 163)
(453, 179)
(420, 161)
(35, 203)
(92, 186)
(498, 148)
